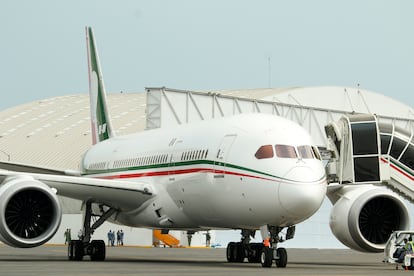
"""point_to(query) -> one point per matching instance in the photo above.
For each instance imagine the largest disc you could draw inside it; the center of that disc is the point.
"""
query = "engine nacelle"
(30, 212)
(364, 216)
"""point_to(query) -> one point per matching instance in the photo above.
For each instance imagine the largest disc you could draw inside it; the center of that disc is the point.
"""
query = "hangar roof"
(56, 132)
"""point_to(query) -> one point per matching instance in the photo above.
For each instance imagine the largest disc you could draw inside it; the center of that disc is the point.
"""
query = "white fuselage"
(206, 175)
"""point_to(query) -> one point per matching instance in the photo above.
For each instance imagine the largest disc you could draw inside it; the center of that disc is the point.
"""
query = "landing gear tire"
(97, 250)
(75, 250)
(235, 252)
(230, 252)
(255, 252)
(266, 257)
(281, 260)
(70, 251)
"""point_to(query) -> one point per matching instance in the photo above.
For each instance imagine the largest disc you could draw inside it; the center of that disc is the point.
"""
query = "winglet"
(100, 119)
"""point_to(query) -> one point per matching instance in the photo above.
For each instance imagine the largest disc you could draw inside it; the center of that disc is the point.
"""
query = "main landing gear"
(238, 251)
(259, 252)
(96, 249)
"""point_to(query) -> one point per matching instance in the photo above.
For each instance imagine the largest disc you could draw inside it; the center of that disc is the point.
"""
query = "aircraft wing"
(19, 167)
(119, 194)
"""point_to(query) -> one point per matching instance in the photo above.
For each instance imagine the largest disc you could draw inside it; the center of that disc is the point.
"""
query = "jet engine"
(363, 216)
(30, 212)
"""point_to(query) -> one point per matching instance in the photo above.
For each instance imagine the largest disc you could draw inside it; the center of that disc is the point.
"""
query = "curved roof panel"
(56, 132)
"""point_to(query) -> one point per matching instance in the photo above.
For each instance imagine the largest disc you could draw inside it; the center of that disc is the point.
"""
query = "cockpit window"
(305, 152)
(265, 151)
(285, 151)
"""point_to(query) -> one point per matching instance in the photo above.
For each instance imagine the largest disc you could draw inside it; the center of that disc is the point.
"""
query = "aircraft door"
(175, 156)
(223, 150)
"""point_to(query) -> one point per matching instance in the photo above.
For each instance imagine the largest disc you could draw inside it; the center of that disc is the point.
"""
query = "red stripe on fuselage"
(179, 172)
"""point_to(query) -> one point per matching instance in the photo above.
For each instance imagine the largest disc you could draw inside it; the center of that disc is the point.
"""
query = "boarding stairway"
(165, 238)
(365, 150)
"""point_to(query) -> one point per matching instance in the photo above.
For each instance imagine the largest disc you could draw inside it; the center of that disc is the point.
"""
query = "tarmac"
(125, 261)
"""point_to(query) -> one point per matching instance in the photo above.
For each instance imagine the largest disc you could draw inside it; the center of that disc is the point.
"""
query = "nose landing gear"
(263, 253)
(270, 251)
(269, 254)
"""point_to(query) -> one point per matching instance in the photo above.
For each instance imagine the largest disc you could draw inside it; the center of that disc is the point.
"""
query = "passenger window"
(285, 151)
(305, 152)
(265, 151)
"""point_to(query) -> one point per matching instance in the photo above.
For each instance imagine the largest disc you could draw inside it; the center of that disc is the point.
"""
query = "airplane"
(253, 172)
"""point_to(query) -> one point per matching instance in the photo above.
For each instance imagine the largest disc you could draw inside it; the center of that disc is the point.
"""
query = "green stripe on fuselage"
(176, 165)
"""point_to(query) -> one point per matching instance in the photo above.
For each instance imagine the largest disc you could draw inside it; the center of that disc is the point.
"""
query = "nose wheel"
(281, 257)
(270, 250)
(268, 255)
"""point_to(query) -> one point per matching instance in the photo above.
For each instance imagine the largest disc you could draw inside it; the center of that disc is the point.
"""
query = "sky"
(206, 45)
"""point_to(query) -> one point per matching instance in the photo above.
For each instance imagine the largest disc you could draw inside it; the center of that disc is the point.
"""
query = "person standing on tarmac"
(121, 235)
(67, 235)
(118, 238)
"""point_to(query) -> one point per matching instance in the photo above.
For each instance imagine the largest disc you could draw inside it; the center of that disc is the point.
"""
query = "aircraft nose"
(303, 192)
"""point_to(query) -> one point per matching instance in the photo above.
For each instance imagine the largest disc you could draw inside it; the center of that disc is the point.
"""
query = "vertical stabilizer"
(100, 119)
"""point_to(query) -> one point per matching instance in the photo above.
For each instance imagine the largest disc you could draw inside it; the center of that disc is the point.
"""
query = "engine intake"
(30, 212)
(364, 217)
